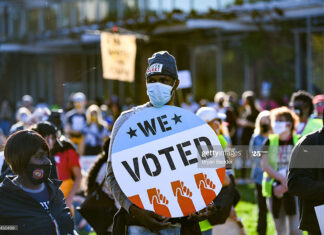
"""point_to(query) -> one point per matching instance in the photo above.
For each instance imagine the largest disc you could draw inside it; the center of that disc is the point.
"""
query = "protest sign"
(155, 158)
(118, 54)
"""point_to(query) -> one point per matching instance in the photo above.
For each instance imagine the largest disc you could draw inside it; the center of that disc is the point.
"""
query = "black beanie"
(162, 63)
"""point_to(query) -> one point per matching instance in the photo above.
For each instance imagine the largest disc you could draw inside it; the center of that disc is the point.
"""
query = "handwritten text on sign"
(118, 54)
(155, 156)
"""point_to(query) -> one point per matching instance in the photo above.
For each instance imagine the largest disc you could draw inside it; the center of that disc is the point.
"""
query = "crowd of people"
(47, 143)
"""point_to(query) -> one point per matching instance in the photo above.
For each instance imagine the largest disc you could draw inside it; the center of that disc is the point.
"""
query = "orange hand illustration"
(221, 172)
(159, 202)
(136, 200)
(183, 195)
(206, 187)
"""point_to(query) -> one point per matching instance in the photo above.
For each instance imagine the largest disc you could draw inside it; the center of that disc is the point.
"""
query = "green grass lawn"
(247, 210)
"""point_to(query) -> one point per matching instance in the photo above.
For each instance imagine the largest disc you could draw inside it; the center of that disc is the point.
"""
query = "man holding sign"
(306, 181)
(152, 171)
(162, 81)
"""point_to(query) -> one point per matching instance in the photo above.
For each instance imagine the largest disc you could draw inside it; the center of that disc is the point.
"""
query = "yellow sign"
(118, 54)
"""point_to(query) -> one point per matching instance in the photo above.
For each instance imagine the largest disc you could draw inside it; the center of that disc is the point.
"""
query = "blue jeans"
(208, 232)
(138, 230)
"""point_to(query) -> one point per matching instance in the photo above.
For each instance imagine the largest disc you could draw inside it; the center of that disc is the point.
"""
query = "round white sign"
(155, 158)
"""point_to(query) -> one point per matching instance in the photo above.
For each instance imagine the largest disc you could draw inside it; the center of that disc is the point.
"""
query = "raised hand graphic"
(159, 202)
(206, 187)
(183, 195)
(136, 200)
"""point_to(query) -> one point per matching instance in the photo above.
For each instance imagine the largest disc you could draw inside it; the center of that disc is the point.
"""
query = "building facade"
(50, 49)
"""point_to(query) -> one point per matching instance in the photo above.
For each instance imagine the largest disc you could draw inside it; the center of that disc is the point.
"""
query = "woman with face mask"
(23, 115)
(96, 131)
(260, 135)
(275, 159)
(30, 202)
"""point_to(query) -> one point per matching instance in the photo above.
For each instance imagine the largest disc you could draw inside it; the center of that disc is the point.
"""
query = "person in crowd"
(306, 179)
(107, 116)
(167, 81)
(67, 159)
(266, 103)
(76, 121)
(96, 176)
(214, 120)
(318, 102)
(114, 107)
(30, 200)
(247, 122)
(203, 103)
(232, 115)
(56, 119)
(49, 133)
(190, 103)
(5, 117)
(27, 102)
(95, 132)
(22, 117)
(282, 205)
(39, 115)
(66, 162)
(220, 100)
(260, 135)
(68, 168)
(232, 101)
(302, 104)
(98, 171)
(139, 220)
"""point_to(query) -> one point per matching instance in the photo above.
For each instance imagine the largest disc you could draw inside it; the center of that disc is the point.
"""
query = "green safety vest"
(312, 124)
(205, 225)
(222, 141)
(267, 181)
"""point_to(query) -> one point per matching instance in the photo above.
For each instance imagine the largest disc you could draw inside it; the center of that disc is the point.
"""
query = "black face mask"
(265, 128)
(37, 174)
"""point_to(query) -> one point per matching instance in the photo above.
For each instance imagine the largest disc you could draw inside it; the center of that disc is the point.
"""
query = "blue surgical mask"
(159, 93)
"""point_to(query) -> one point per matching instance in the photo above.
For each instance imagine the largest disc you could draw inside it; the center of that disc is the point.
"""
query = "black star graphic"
(131, 132)
(176, 119)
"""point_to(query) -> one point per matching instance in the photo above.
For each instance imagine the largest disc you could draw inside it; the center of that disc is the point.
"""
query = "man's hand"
(203, 214)
(279, 190)
(149, 219)
(284, 183)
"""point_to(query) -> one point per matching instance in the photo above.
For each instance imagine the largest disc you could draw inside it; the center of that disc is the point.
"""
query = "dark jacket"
(306, 178)
(18, 208)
